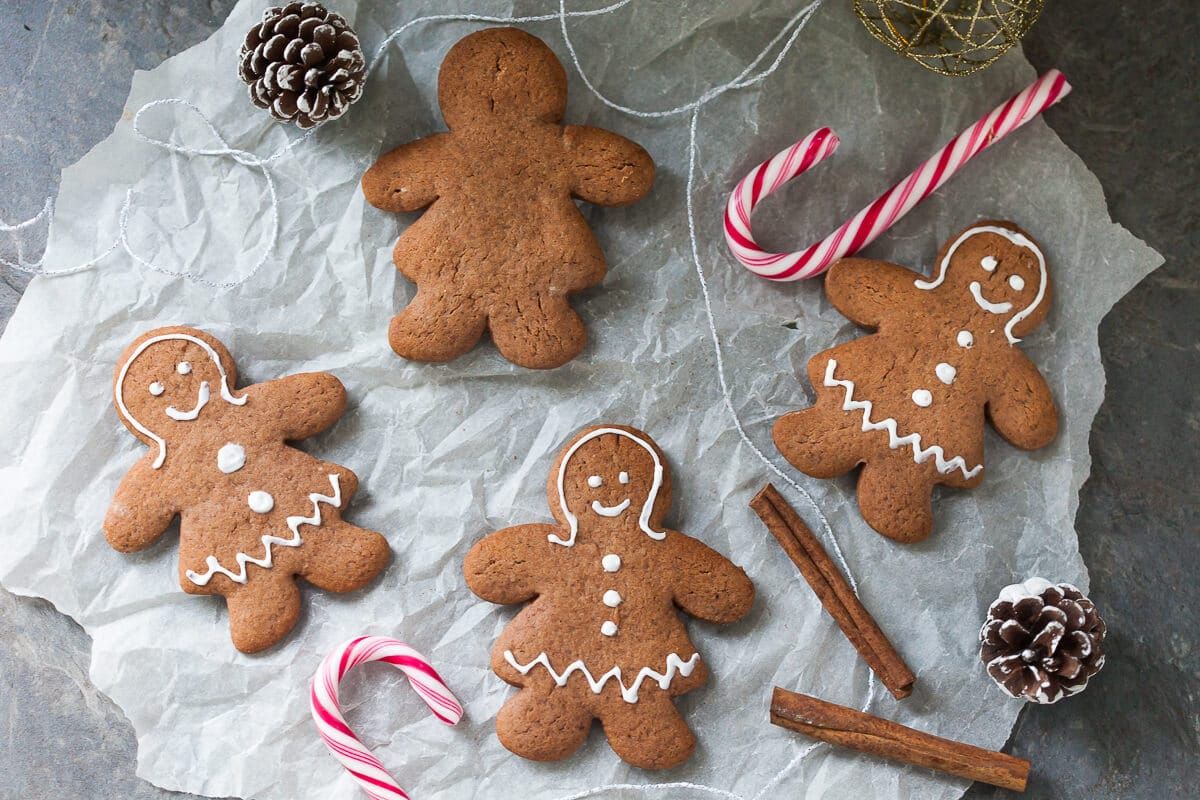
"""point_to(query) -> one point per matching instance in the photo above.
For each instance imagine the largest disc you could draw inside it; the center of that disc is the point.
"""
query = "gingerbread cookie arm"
(607, 169)
(405, 179)
(1020, 405)
(300, 405)
(140, 511)
(505, 568)
(867, 291)
(707, 585)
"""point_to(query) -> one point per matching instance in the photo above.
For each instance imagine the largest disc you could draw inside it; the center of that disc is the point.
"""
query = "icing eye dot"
(595, 481)
(183, 368)
(623, 477)
(1016, 282)
(156, 389)
(988, 263)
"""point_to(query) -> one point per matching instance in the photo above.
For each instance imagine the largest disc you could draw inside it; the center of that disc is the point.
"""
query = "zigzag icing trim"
(895, 440)
(675, 665)
(268, 541)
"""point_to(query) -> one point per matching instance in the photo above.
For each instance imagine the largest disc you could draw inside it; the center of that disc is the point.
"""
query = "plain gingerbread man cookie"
(909, 402)
(503, 244)
(254, 512)
(602, 636)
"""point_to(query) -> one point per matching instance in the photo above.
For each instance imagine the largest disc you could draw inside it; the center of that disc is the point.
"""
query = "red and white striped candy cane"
(360, 762)
(890, 206)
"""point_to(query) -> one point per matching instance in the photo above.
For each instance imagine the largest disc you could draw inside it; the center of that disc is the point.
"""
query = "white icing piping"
(629, 694)
(988, 305)
(895, 440)
(647, 508)
(201, 401)
(610, 511)
(268, 540)
(226, 395)
(1015, 238)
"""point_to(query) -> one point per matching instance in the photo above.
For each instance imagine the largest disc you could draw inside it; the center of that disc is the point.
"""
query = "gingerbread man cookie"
(603, 638)
(909, 401)
(254, 512)
(503, 244)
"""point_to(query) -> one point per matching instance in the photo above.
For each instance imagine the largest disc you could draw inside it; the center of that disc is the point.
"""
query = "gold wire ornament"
(950, 37)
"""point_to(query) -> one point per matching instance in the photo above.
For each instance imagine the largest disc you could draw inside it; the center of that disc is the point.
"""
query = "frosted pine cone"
(1042, 641)
(303, 63)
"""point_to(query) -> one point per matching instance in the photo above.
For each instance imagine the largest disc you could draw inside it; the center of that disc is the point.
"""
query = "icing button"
(260, 502)
(965, 339)
(922, 397)
(612, 598)
(611, 562)
(609, 628)
(945, 373)
(231, 457)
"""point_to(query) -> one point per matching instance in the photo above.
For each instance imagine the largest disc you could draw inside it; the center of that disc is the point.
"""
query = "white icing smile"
(988, 305)
(201, 402)
(610, 511)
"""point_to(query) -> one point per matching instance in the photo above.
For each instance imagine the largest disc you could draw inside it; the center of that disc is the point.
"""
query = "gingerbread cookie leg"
(539, 331)
(262, 612)
(542, 722)
(895, 497)
(649, 734)
(345, 557)
(437, 326)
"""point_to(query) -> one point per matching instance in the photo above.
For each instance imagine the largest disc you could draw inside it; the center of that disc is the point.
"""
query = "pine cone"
(303, 63)
(1042, 641)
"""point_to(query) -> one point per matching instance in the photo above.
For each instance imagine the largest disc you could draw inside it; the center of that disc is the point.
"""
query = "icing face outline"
(996, 308)
(647, 507)
(226, 394)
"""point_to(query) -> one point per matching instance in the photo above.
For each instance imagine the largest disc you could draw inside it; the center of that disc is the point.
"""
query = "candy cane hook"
(360, 762)
(890, 206)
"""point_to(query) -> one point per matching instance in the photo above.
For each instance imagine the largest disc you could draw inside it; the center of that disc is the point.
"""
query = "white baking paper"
(446, 454)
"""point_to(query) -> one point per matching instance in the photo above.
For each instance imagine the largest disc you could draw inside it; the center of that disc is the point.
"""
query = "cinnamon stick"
(833, 591)
(847, 727)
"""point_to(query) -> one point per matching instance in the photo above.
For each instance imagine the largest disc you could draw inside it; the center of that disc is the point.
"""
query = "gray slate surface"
(65, 68)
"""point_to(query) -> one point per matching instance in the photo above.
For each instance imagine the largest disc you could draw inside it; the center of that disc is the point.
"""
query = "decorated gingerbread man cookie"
(254, 512)
(503, 244)
(603, 638)
(909, 402)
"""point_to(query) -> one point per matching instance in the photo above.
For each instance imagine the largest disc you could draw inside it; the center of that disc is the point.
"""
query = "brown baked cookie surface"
(254, 512)
(909, 401)
(502, 245)
(602, 638)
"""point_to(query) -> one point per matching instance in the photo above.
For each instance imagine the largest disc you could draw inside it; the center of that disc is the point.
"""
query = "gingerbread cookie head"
(170, 377)
(1002, 271)
(610, 475)
(501, 73)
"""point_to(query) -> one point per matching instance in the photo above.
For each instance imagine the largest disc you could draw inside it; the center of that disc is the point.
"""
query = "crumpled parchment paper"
(446, 454)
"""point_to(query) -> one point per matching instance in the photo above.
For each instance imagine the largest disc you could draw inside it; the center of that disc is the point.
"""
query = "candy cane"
(890, 206)
(360, 762)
